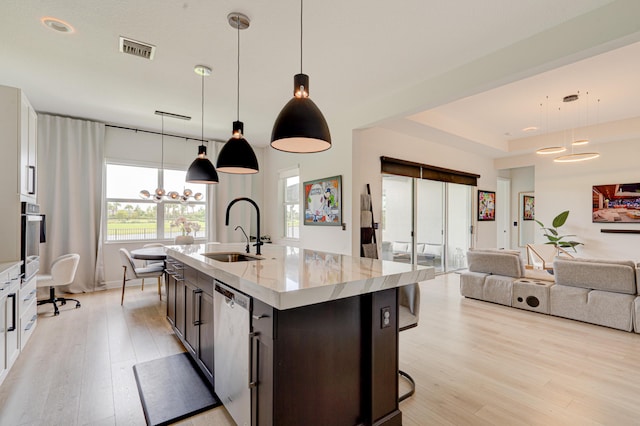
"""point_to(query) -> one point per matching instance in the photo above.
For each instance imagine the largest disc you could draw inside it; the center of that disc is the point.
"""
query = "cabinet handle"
(31, 180)
(31, 323)
(13, 315)
(197, 294)
(253, 360)
(30, 296)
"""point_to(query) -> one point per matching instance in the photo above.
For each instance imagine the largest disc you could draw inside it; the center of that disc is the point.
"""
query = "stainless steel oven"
(31, 236)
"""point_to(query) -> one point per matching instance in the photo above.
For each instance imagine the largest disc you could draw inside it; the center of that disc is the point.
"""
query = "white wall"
(567, 186)
(522, 180)
(370, 144)
(335, 161)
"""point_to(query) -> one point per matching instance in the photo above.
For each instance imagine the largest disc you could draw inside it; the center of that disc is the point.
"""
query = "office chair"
(63, 272)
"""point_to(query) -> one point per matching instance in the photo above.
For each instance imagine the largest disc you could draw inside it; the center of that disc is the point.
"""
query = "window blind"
(396, 166)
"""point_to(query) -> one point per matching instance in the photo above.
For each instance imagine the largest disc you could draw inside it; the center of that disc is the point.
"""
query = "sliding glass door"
(430, 223)
(426, 222)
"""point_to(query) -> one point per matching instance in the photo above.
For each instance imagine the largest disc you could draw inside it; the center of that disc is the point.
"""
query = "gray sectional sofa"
(597, 291)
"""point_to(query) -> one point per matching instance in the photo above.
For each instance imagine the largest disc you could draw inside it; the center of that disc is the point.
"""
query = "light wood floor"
(475, 363)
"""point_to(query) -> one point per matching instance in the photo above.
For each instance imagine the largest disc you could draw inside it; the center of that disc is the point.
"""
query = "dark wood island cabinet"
(316, 357)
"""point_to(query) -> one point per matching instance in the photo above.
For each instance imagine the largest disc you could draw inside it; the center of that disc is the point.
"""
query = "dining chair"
(63, 272)
(408, 314)
(132, 272)
(151, 262)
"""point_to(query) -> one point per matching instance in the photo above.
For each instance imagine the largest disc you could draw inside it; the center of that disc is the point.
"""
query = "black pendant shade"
(201, 170)
(237, 156)
(300, 126)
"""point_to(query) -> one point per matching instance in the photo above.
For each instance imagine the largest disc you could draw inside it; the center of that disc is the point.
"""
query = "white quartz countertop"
(289, 277)
(5, 266)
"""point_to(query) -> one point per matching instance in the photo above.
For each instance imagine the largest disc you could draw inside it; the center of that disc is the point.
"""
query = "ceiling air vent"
(137, 48)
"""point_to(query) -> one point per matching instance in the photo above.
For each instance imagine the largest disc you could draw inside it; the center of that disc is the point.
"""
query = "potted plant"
(553, 234)
(186, 227)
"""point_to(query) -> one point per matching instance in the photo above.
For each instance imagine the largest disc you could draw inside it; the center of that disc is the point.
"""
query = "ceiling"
(362, 57)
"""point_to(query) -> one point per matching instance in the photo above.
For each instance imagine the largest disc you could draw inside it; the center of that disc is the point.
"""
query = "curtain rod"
(166, 134)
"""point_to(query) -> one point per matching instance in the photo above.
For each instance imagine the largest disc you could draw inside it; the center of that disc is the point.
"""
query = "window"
(131, 218)
(291, 203)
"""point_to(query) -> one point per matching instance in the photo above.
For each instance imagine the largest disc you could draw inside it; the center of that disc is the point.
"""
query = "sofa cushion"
(605, 308)
(636, 314)
(496, 262)
(611, 309)
(471, 284)
(568, 302)
(398, 247)
(598, 274)
(498, 289)
(433, 249)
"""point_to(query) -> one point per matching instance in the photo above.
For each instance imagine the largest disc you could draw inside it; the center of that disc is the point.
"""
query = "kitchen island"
(317, 349)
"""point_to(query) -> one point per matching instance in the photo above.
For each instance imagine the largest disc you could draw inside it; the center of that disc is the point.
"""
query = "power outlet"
(385, 317)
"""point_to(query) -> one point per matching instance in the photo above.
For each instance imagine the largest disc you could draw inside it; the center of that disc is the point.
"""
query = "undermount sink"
(231, 257)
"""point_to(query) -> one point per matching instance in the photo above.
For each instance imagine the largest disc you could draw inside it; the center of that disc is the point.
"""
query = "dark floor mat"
(172, 388)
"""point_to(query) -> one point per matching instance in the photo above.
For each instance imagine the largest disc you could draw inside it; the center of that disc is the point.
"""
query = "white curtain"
(70, 194)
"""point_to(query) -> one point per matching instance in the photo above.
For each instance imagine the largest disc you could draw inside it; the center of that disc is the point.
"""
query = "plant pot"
(184, 239)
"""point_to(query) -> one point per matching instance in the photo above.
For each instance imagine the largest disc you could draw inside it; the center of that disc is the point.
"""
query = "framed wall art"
(616, 203)
(528, 207)
(323, 202)
(486, 205)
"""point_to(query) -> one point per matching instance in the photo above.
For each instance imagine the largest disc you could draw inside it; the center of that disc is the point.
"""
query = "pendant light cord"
(162, 149)
(238, 88)
(301, 30)
(202, 111)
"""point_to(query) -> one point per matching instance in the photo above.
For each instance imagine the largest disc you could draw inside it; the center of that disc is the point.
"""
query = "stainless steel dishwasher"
(231, 327)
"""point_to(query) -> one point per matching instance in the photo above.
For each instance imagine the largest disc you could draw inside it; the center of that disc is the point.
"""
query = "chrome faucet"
(245, 235)
(249, 200)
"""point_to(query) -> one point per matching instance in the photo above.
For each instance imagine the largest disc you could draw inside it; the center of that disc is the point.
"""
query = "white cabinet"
(18, 128)
(28, 150)
(27, 311)
(18, 166)
(9, 318)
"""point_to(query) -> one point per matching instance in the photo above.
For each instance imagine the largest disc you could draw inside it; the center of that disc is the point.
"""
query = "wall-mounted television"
(617, 203)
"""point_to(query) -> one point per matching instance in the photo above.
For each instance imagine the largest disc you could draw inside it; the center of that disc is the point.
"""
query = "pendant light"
(201, 170)
(550, 149)
(160, 194)
(576, 157)
(300, 126)
(237, 156)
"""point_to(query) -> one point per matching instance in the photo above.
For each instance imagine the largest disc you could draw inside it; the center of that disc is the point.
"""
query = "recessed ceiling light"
(57, 24)
(530, 129)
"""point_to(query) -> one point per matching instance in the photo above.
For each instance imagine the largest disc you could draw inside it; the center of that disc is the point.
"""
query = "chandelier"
(573, 156)
(159, 195)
